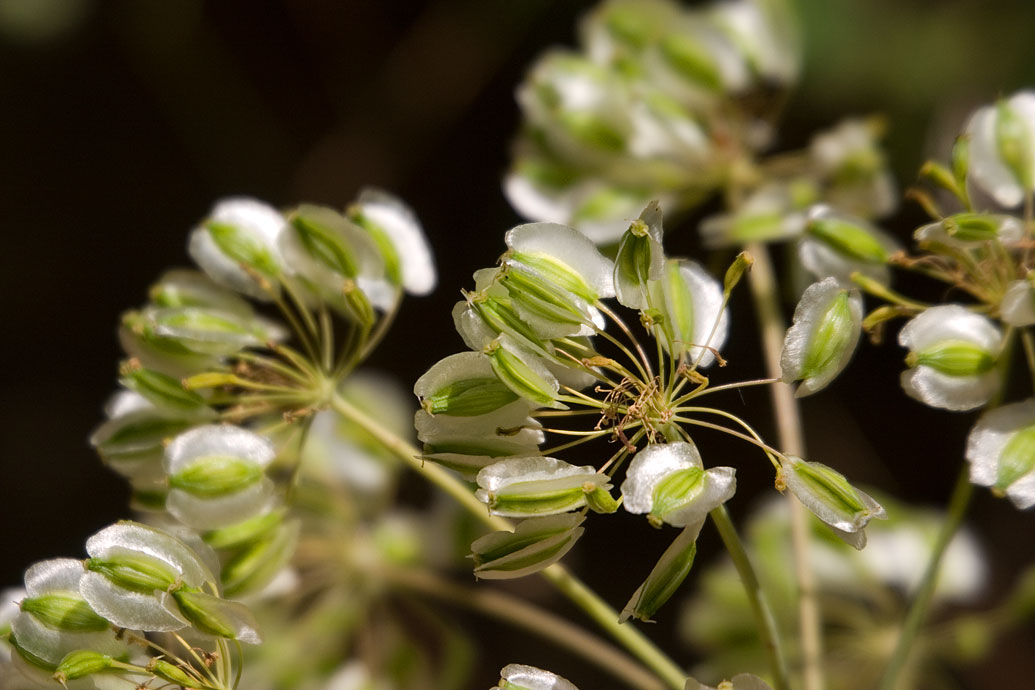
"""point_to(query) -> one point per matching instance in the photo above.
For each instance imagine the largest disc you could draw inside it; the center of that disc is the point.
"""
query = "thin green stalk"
(756, 597)
(762, 280)
(517, 612)
(586, 599)
(918, 609)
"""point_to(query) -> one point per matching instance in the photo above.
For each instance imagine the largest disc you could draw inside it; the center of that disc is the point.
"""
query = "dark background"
(122, 122)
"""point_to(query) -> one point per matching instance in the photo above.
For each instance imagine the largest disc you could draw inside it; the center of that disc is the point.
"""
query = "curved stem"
(569, 585)
(762, 280)
(756, 597)
(918, 609)
(506, 607)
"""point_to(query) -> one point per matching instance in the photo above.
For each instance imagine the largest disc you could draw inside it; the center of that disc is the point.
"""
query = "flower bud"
(689, 303)
(521, 677)
(952, 357)
(399, 237)
(237, 246)
(830, 497)
(669, 483)
(836, 246)
(742, 263)
(640, 258)
(1001, 451)
(826, 328)
(81, 663)
(527, 486)
(1002, 148)
(665, 578)
(534, 544)
(522, 372)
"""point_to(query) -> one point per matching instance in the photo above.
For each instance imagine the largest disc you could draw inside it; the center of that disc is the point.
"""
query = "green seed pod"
(954, 358)
(529, 486)
(171, 673)
(134, 571)
(64, 611)
(535, 544)
(523, 373)
(640, 258)
(244, 532)
(1001, 452)
(214, 475)
(80, 664)
(826, 492)
(665, 578)
(823, 337)
(601, 501)
(164, 391)
(215, 616)
(848, 238)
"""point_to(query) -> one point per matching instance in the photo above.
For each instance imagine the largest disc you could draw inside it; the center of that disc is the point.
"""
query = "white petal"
(989, 437)
(649, 466)
(720, 483)
(808, 316)
(222, 511)
(405, 232)
(550, 472)
(566, 246)
(537, 202)
(433, 428)
(128, 609)
(1018, 305)
(532, 678)
(132, 537)
(52, 645)
(56, 574)
(949, 392)
(218, 439)
(707, 297)
(950, 322)
(824, 261)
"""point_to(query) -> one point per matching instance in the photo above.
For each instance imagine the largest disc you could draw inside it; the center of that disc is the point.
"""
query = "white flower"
(836, 245)
(240, 232)
(521, 677)
(526, 486)
(390, 219)
(1018, 305)
(1002, 148)
(1001, 451)
(565, 257)
(827, 324)
(952, 358)
(669, 483)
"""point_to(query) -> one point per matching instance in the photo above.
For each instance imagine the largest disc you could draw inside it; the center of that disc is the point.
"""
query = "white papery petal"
(1018, 305)
(537, 202)
(405, 233)
(824, 261)
(957, 393)
(128, 609)
(448, 370)
(433, 428)
(260, 222)
(532, 678)
(650, 466)
(132, 537)
(987, 168)
(55, 574)
(52, 645)
(808, 316)
(949, 322)
(720, 483)
(221, 440)
(125, 402)
(567, 246)
(212, 513)
(986, 443)
(707, 298)
(547, 473)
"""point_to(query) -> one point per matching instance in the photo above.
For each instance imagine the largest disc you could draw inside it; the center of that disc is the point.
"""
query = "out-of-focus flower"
(1002, 148)
(826, 328)
(1001, 451)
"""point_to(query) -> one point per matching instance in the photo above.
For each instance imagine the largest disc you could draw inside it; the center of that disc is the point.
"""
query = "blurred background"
(121, 122)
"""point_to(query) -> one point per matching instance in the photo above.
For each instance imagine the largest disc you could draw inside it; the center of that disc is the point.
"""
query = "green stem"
(756, 597)
(918, 609)
(762, 280)
(569, 585)
(551, 627)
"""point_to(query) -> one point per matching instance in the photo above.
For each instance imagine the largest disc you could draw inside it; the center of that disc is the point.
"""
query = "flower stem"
(756, 597)
(532, 618)
(918, 609)
(569, 585)
(762, 279)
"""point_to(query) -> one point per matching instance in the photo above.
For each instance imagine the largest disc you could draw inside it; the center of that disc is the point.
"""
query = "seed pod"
(669, 483)
(215, 616)
(830, 497)
(837, 245)
(523, 373)
(665, 578)
(966, 230)
(564, 257)
(81, 663)
(1001, 451)
(535, 544)
(529, 486)
(826, 328)
(640, 258)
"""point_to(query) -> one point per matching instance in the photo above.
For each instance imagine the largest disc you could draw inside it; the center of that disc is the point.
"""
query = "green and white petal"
(689, 301)
(240, 231)
(640, 258)
(181, 287)
(669, 483)
(1002, 148)
(535, 544)
(1001, 451)
(765, 36)
(527, 486)
(523, 372)
(464, 385)
(771, 213)
(836, 245)
(387, 217)
(826, 329)
(1018, 305)
(953, 355)
(665, 577)
(830, 497)
(565, 257)
(521, 677)
(967, 230)
(211, 332)
(218, 441)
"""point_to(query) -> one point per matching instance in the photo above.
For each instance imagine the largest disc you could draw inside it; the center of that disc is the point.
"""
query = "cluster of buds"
(501, 414)
(660, 103)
